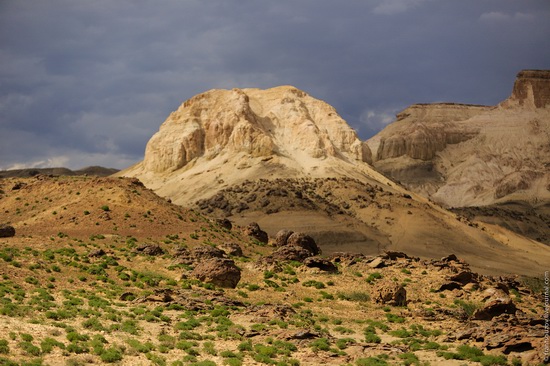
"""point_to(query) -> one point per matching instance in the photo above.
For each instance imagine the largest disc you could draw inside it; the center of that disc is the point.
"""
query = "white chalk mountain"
(224, 137)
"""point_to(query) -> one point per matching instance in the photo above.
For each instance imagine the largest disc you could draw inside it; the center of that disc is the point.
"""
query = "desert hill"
(85, 205)
(466, 155)
(223, 137)
(284, 159)
(103, 271)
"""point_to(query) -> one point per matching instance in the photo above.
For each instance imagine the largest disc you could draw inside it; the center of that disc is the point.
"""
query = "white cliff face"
(230, 135)
(256, 122)
(463, 155)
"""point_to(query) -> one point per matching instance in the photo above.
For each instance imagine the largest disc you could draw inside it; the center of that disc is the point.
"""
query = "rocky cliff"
(466, 155)
(222, 137)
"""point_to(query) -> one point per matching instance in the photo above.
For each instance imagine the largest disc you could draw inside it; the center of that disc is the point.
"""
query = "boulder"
(225, 223)
(322, 263)
(96, 253)
(389, 293)
(150, 249)
(498, 302)
(232, 249)
(345, 258)
(304, 241)
(291, 253)
(203, 252)
(464, 277)
(449, 286)
(7, 231)
(218, 271)
(254, 230)
(281, 237)
(377, 262)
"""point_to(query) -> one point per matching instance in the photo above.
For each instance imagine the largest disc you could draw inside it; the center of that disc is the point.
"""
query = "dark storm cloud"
(86, 83)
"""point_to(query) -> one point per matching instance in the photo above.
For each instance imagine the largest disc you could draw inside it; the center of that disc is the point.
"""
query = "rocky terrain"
(465, 155)
(284, 159)
(102, 270)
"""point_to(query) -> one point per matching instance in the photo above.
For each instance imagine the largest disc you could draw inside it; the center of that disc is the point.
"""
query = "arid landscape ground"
(256, 232)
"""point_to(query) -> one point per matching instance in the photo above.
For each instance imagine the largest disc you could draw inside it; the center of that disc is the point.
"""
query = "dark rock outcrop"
(304, 241)
(232, 249)
(150, 249)
(281, 237)
(254, 230)
(322, 263)
(218, 271)
(7, 231)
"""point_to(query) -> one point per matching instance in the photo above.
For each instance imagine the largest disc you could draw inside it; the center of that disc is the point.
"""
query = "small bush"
(373, 277)
(111, 355)
(30, 348)
(312, 283)
(392, 318)
(359, 296)
(371, 361)
(4, 348)
(468, 307)
(320, 344)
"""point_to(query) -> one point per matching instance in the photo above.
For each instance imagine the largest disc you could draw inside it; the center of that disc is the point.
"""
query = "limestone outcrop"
(275, 132)
(470, 155)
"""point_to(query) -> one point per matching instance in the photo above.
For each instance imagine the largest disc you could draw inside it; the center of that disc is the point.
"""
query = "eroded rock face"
(531, 89)
(218, 271)
(252, 121)
(470, 155)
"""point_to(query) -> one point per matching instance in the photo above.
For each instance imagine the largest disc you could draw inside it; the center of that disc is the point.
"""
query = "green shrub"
(4, 347)
(111, 355)
(359, 296)
(409, 358)
(373, 277)
(48, 344)
(30, 348)
(370, 361)
(312, 283)
(392, 318)
(370, 335)
(320, 344)
(245, 346)
(26, 337)
(343, 343)
(468, 307)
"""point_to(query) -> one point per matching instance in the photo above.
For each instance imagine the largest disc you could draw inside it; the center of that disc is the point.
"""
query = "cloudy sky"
(88, 82)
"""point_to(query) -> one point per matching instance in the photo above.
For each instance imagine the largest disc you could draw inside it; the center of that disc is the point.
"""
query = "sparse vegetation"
(93, 296)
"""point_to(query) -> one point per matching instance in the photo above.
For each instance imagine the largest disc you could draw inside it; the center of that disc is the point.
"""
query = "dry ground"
(59, 305)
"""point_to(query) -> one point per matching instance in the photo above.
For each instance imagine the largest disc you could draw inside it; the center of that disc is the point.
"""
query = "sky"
(89, 82)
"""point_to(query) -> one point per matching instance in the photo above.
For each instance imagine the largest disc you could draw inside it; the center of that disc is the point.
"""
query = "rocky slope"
(466, 155)
(284, 159)
(103, 271)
